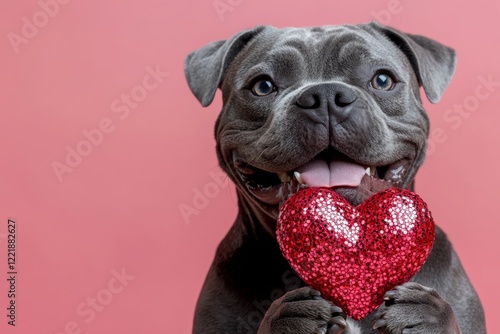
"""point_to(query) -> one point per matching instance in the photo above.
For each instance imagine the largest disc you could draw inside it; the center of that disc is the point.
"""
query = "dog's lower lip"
(261, 180)
(356, 180)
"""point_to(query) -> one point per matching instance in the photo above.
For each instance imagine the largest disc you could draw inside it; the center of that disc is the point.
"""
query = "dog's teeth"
(284, 177)
(371, 171)
(297, 176)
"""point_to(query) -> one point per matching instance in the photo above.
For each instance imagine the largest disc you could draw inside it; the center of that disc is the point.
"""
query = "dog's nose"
(336, 99)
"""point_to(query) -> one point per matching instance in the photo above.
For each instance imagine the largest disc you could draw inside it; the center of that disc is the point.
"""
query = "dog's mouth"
(354, 180)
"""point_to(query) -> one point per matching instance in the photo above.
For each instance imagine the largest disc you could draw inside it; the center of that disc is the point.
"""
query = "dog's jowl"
(337, 107)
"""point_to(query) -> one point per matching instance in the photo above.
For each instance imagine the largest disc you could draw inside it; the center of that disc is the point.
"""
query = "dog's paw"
(303, 311)
(414, 309)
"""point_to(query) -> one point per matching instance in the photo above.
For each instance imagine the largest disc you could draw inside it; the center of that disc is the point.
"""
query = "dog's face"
(335, 106)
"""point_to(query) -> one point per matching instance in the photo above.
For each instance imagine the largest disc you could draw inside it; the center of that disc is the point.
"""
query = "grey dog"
(334, 106)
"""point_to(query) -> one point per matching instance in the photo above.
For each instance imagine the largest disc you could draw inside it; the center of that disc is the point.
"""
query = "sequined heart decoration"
(354, 255)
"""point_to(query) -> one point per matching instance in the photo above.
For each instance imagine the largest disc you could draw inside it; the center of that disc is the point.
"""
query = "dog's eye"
(382, 81)
(263, 87)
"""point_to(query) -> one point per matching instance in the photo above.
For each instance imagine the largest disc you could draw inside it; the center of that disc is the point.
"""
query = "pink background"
(120, 207)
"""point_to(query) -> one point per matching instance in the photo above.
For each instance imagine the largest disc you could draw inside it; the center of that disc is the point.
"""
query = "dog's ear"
(433, 62)
(205, 67)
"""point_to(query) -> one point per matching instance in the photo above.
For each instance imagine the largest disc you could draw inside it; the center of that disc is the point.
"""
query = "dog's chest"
(353, 327)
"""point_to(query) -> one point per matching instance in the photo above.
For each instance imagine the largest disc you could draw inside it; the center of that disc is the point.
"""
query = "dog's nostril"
(308, 101)
(343, 100)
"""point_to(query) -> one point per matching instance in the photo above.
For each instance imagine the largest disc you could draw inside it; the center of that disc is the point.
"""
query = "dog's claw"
(338, 320)
(337, 325)
(379, 323)
(390, 295)
(314, 293)
(335, 329)
(336, 309)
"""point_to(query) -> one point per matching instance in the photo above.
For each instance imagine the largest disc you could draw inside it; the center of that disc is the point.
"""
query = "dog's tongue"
(333, 173)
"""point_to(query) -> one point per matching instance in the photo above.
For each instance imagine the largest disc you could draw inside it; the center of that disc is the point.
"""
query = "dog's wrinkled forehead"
(320, 50)
(318, 54)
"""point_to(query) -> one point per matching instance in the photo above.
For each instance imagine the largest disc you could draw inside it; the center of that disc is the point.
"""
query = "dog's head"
(335, 106)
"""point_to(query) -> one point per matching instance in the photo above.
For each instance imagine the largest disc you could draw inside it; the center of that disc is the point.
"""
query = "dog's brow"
(293, 44)
(287, 54)
(243, 78)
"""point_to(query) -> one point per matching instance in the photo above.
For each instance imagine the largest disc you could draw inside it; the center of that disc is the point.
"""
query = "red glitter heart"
(354, 255)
